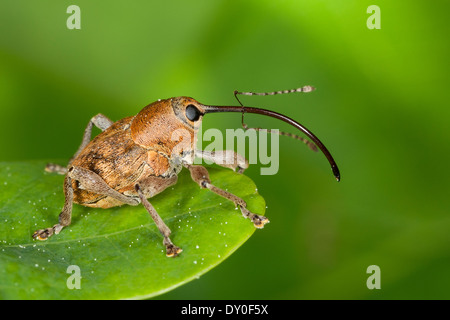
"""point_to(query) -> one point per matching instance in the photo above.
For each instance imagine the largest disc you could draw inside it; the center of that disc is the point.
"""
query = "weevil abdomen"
(121, 163)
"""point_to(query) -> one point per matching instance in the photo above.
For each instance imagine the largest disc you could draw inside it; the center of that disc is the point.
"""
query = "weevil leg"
(65, 216)
(91, 181)
(100, 121)
(171, 249)
(225, 158)
(200, 175)
(53, 167)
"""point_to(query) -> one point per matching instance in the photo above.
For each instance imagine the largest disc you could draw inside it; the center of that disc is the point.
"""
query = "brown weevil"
(137, 157)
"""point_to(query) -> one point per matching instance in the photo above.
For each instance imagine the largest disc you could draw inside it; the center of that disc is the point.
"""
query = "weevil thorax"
(169, 127)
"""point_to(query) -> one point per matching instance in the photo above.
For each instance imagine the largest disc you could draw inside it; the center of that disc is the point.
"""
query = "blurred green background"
(381, 107)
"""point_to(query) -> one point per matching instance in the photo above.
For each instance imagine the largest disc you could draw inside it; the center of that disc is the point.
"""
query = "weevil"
(138, 157)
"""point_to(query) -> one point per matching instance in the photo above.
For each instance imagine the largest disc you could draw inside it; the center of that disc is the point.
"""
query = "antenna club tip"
(308, 88)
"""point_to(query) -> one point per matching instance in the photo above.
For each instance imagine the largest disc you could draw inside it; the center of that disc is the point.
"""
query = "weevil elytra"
(137, 157)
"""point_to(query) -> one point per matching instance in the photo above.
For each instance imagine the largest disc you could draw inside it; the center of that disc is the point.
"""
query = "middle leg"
(171, 249)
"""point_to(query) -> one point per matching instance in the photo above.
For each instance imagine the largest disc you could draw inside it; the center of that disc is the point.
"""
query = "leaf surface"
(119, 251)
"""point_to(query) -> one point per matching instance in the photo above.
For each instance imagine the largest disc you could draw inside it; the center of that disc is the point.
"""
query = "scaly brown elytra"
(137, 157)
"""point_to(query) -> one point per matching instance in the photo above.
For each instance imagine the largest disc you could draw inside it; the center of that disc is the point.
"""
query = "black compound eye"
(192, 113)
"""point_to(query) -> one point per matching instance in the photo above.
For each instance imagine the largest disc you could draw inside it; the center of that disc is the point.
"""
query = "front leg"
(224, 158)
(200, 175)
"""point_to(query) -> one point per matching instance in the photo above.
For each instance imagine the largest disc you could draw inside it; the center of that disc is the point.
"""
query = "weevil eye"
(192, 113)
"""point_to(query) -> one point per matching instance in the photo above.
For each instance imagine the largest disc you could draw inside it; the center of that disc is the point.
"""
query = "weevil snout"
(242, 109)
(156, 122)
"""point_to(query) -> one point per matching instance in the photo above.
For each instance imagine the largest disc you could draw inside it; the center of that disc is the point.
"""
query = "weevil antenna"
(308, 143)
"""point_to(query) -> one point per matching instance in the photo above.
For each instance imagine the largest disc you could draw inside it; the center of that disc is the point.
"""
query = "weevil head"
(168, 126)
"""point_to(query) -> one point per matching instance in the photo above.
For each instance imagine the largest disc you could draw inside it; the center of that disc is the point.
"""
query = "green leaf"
(119, 251)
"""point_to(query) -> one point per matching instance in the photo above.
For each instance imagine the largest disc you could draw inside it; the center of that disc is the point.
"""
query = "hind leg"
(89, 181)
(100, 121)
(64, 217)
